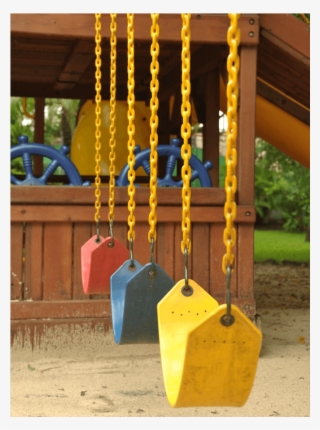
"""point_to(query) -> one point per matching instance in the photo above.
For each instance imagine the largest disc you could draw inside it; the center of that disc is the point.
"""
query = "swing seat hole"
(98, 240)
(187, 291)
(227, 320)
(132, 266)
(111, 244)
(152, 274)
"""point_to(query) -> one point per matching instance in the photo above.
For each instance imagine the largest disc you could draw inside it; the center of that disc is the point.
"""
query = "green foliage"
(280, 246)
(281, 184)
(19, 125)
(298, 15)
(60, 122)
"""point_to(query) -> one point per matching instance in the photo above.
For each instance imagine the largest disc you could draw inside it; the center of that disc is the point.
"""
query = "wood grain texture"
(57, 261)
(33, 288)
(16, 261)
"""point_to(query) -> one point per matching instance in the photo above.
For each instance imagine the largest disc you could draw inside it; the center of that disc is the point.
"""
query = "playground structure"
(50, 225)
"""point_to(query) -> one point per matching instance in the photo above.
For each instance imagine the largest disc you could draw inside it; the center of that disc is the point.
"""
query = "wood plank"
(201, 255)
(211, 125)
(67, 213)
(57, 261)
(286, 49)
(56, 309)
(16, 261)
(36, 331)
(283, 101)
(289, 29)
(217, 251)
(85, 195)
(81, 234)
(81, 56)
(141, 246)
(34, 261)
(245, 261)
(166, 248)
(171, 83)
(246, 125)
(178, 256)
(205, 28)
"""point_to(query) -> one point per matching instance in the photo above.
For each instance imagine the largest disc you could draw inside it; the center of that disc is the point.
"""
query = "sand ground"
(94, 377)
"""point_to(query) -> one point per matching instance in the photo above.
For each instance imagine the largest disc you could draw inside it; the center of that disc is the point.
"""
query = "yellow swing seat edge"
(200, 358)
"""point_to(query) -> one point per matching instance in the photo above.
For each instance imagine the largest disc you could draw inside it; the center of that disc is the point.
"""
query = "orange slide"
(288, 134)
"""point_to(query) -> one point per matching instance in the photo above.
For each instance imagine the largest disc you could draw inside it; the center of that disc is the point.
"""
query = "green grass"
(280, 246)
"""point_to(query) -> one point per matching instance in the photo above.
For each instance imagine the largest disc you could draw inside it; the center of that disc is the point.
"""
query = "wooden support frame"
(246, 157)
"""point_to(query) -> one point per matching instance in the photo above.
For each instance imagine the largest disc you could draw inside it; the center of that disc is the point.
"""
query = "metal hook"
(228, 319)
(186, 289)
(131, 253)
(111, 243)
(152, 271)
(98, 231)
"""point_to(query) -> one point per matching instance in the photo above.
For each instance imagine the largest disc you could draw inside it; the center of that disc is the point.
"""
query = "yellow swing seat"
(205, 363)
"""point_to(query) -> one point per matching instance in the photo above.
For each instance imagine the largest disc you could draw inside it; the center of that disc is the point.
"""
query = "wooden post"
(211, 126)
(246, 156)
(39, 133)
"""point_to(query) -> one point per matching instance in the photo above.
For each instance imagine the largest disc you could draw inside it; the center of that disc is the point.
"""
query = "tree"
(283, 185)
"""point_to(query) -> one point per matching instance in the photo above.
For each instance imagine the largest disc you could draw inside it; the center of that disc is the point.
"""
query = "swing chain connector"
(152, 271)
(131, 265)
(228, 319)
(186, 289)
(111, 243)
(98, 240)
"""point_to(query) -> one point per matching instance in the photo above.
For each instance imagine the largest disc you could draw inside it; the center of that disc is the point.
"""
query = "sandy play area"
(94, 377)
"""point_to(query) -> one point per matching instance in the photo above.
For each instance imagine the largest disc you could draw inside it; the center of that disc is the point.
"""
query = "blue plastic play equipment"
(173, 152)
(59, 159)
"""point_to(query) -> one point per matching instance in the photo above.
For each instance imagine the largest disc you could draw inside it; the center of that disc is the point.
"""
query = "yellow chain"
(98, 114)
(24, 109)
(112, 128)
(154, 104)
(131, 128)
(230, 207)
(185, 132)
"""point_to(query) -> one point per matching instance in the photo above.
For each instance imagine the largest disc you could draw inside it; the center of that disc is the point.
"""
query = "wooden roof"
(53, 55)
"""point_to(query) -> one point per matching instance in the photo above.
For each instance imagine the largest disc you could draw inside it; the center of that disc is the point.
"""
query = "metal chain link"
(112, 127)
(230, 207)
(98, 115)
(131, 127)
(185, 133)
(154, 105)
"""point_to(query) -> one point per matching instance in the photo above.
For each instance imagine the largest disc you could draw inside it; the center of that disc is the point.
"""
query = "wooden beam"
(205, 28)
(54, 309)
(288, 29)
(286, 48)
(283, 101)
(245, 171)
(61, 195)
(213, 55)
(211, 125)
(67, 213)
(78, 61)
(246, 124)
